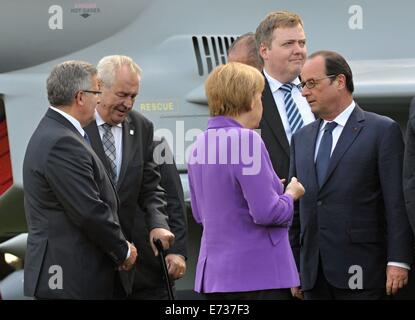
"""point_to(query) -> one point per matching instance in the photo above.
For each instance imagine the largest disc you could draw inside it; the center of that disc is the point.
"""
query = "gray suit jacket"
(75, 241)
(142, 200)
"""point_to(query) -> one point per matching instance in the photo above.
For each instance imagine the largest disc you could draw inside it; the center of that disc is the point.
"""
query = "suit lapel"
(96, 143)
(350, 132)
(128, 134)
(310, 147)
(273, 118)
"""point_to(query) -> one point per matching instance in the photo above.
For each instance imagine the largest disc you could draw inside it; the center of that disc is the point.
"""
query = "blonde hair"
(108, 65)
(231, 87)
(274, 20)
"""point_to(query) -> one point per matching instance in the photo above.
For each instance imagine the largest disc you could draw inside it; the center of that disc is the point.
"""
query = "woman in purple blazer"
(238, 198)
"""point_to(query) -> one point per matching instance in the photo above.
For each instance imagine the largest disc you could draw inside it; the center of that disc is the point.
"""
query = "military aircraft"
(177, 43)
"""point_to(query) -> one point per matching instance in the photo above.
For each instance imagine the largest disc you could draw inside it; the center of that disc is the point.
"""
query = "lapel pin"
(131, 132)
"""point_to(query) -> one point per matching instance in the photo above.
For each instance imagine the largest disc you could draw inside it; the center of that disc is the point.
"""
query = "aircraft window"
(221, 51)
(227, 45)
(207, 53)
(215, 50)
(198, 56)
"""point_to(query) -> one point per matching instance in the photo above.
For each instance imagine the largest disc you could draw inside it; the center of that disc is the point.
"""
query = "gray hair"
(66, 79)
(108, 65)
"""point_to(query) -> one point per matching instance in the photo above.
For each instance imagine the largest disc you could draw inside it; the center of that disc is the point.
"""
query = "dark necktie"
(108, 143)
(86, 138)
(293, 114)
(324, 150)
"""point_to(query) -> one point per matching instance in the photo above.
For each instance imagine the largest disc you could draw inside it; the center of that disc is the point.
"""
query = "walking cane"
(162, 257)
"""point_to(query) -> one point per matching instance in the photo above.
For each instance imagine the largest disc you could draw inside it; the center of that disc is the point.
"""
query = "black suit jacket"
(148, 279)
(71, 211)
(358, 215)
(273, 134)
(142, 200)
(409, 166)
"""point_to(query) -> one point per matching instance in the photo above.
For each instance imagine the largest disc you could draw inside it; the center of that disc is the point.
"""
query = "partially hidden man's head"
(119, 77)
(281, 44)
(245, 50)
(73, 84)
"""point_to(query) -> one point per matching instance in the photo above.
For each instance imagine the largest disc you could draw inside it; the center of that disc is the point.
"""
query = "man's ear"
(341, 81)
(79, 98)
(263, 51)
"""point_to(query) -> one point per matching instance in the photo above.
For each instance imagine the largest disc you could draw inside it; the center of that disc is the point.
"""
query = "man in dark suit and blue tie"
(282, 46)
(75, 243)
(353, 234)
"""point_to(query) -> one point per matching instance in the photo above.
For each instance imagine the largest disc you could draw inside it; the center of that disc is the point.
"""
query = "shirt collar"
(71, 119)
(342, 118)
(100, 121)
(274, 84)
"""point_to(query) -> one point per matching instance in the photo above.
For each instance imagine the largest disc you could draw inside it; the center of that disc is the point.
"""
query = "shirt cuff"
(128, 252)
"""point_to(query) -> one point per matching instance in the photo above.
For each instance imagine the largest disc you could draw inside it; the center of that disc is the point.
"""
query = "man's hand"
(176, 266)
(166, 237)
(396, 278)
(297, 293)
(128, 263)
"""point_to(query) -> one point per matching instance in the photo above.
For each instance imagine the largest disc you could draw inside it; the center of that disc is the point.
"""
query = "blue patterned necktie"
(324, 151)
(108, 143)
(293, 114)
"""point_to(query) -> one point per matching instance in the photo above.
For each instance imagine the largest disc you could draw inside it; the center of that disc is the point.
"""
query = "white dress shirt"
(299, 100)
(341, 120)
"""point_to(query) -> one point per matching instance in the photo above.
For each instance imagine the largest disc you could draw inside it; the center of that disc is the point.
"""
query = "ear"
(252, 104)
(341, 81)
(79, 98)
(263, 51)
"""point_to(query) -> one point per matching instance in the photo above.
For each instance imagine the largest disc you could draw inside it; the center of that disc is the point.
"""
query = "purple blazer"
(239, 200)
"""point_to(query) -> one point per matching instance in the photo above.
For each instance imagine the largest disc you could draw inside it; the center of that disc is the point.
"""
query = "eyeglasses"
(310, 84)
(94, 92)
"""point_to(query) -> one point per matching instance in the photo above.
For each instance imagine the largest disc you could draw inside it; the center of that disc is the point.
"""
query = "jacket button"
(319, 202)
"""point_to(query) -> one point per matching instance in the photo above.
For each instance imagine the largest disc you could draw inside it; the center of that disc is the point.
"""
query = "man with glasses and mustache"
(75, 244)
(123, 139)
(282, 46)
(351, 230)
